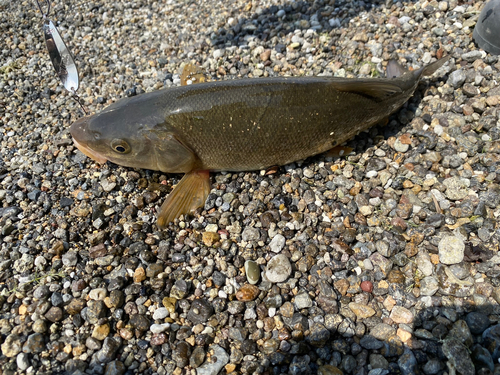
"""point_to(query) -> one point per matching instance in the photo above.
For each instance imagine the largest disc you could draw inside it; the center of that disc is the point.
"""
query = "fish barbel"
(238, 125)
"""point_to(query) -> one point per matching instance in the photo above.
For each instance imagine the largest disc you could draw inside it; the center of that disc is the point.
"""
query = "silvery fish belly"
(238, 125)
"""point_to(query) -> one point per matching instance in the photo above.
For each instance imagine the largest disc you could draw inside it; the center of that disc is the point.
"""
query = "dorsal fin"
(394, 69)
(373, 88)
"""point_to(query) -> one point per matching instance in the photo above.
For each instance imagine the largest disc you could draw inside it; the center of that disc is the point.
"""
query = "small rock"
(160, 313)
(210, 238)
(213, 367)
(458, 357)
(303, 301)
(11, 346)
(407, 363)
(22, 361)
(477, 322)
(115, 368)
(457, 78)
(451, 250)
(319, 335)
(361, 311)
(252, 271)
(200, 311)
(101, 331)
(367, 286)
(278, 269)
(401, 314)
(277, 243)
(247, 292)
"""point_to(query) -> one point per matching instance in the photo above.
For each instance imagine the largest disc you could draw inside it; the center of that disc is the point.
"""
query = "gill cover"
(172, 155)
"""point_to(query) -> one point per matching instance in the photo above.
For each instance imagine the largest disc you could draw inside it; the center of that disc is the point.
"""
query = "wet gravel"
(381, 262)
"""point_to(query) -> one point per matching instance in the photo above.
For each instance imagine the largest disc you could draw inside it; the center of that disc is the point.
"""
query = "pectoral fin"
(189, 194)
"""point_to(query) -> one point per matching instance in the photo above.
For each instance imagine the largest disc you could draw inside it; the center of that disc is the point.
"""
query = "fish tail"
(431, 68)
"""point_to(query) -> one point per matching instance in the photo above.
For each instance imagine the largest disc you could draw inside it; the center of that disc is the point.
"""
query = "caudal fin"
(394, 69)
(431, 68)
(189, 194)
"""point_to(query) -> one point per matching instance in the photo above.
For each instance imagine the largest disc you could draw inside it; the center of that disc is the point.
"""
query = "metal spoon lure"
(60, 55)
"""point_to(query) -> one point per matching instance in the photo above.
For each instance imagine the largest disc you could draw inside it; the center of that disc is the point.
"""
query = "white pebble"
(160, 313)
(158, 328)
(438, 129)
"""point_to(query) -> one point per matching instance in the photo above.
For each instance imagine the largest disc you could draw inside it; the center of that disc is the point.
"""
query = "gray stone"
(213, 368)
(477, 322)
(200, 311)
(22, 361)
(451, 250)
(407, 363)
(303, 301)
(108, 350)
(250, 234)
(429, 286)
(431, 367)
(277, 243)
(458, 357)
(278, 269)
(70, 259)
(457, 78)
(424, 263)
(456, 188)
(160, 313)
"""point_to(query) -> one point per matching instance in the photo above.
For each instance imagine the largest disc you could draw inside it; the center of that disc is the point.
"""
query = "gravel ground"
(382, 262)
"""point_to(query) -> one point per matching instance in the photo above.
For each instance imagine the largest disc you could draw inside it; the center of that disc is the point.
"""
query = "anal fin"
(189, 194)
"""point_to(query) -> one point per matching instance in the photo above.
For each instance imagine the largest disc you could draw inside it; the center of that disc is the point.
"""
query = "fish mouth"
(87, 151)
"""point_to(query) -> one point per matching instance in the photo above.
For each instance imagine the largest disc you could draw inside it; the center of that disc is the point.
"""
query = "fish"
(238, 125)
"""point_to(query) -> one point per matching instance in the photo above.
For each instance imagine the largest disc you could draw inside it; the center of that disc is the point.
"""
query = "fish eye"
(120, 146)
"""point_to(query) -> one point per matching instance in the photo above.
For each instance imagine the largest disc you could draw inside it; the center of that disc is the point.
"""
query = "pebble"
(252, 271)
(11, 346)
(200, 311)
(401, 314)
(22, 361)
(303, 301)
(477, 322)
(451, 250)
(458, 356)
(361, 311)
(278, 269)
(277, 243)
(115, 368)
(213, 368)
(247, 293)
(160, 313)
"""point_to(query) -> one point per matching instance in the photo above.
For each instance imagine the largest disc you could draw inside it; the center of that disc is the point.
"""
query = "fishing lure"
(60, 55)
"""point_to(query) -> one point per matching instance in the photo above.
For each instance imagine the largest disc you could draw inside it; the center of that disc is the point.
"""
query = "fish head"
(131, 136)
